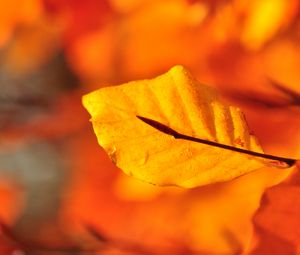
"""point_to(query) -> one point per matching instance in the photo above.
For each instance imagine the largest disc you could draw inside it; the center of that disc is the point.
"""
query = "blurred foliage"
(58, 190)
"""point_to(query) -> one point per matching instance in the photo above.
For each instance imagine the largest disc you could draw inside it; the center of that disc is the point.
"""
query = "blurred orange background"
(59, 192)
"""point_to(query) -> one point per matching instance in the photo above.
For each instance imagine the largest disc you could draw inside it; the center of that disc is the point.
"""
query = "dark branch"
(279, 162)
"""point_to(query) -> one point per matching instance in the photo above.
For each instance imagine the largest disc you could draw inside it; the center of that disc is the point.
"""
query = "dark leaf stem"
(279, 162)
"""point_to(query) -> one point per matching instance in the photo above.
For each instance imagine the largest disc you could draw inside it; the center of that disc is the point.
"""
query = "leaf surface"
(277, 221)
(178, 101)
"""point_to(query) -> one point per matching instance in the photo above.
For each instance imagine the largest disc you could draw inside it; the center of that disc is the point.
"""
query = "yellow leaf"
(178, 101)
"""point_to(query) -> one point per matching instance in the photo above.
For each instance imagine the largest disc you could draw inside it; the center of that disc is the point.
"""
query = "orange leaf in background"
(140, 42)
(81, 17)
(287, 70)
(258, 29)
(11, 200)
(189, 108)
(11, 203)
(214, 219)
(277, 221)
(14, 13)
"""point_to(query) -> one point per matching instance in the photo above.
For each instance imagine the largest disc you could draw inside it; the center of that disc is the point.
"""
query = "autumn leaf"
(184, 218)
(180, 102)
(277, 220)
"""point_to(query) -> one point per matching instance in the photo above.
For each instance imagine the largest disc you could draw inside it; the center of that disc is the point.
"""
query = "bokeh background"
(59, 192)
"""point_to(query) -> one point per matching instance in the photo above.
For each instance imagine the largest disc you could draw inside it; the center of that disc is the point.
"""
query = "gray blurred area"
(37, 164)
